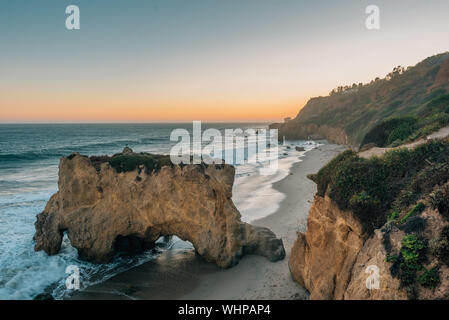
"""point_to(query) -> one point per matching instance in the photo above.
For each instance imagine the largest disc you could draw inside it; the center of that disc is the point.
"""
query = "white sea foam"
(25, 188)
(254, 194)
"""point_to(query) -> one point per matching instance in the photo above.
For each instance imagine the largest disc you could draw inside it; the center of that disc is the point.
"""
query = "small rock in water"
(127, 151)
(300, 149)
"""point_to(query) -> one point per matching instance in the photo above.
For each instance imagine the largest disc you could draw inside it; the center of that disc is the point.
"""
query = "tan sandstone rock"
(322, 258)
(333, 258)
(102, 210)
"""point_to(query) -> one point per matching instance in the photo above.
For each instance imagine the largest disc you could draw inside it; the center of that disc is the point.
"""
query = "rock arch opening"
(131, 244)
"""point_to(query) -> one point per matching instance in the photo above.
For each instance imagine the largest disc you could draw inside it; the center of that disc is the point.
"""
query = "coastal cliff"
(294, 130)
(349, 112)
(330, 259)
(378, 228)
(128, 201)
(334, 258)
(321, 259)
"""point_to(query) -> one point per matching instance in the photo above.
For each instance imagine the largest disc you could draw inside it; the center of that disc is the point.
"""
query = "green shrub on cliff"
(373, 187)
(438, 104)
(395, 131)
(410, 259)
(392, 258)
(414, 211)
(422, 183)
(390, 130)
(412, 251)
(402, 132)
(323, 177)
(430, 278)
(393, 216)
(126, 163)
(363, 202)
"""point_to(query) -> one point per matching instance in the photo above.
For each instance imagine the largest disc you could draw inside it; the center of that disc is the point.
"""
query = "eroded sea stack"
(128, 201)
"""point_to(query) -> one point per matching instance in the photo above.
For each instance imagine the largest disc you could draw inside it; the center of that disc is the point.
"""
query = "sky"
(209, 60)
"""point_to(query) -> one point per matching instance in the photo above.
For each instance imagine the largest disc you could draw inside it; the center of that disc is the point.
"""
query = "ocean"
(29, 157)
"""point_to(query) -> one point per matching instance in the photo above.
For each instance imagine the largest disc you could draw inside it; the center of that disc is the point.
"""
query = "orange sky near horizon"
(215, 61)
(97, 109)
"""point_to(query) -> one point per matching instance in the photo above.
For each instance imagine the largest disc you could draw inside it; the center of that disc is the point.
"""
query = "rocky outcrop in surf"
(128, 201)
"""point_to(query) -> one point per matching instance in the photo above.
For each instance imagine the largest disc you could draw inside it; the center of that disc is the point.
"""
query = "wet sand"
(181, 274)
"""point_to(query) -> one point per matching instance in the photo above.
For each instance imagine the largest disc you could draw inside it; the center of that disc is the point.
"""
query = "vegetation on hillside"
(405, 92)
(388, 187)
(151, 162)
(396, 131)
(131, 162)
(394, 191)
(391, 192)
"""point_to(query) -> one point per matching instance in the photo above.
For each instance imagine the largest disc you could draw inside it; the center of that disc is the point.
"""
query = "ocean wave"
(27, 188)
(155, 139)
(42, 154)
(254, 194)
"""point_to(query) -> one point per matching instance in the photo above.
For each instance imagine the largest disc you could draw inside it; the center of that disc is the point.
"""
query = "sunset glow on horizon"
(216, 61)
(100, 111)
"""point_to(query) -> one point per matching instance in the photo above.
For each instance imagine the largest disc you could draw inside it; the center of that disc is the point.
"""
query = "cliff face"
(347, 114)
(334, 259)
(378, 227)
(322, 259)
(330, 259)
(103, 211)
(297, 131)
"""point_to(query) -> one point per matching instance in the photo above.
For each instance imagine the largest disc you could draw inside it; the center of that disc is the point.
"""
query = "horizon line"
(155, 122)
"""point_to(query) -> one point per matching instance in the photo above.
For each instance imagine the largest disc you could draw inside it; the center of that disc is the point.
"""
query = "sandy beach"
(181, 274)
